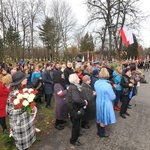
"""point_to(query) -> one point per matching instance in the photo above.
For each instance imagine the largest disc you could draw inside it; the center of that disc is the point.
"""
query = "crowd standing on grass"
(83, 92)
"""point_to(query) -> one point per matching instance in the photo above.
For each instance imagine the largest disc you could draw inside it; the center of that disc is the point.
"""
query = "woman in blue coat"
(104, 107)
(117, 76)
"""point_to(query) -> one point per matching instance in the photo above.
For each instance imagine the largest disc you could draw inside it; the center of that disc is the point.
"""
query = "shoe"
(102, 132)
(62, 122)
(129, 107)
(5, 131)
(58, 127)
(37, 130)
(80, 134)
(104, 135)
(117, 108)
(85, 126)
(126, 113)
(77, 143)
(145, 82)
(48, 107)
(123, 116)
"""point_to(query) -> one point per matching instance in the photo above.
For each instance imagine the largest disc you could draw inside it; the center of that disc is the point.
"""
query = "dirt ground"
(132, 133)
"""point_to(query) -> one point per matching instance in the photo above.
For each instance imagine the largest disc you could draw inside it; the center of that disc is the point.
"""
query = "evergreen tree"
(132, 50)
(13, 42)
(48, 36)
(87, 43)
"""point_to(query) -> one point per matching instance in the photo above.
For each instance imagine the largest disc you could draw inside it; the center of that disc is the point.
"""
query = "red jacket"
(4, 92)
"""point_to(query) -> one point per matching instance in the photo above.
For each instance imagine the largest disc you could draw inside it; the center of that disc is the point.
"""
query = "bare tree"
(63, 16)
(111, 15)
(34, 10)
(25, 28)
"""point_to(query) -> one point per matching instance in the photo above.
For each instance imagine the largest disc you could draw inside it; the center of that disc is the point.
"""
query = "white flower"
(30, 90)
(16, 101)
(25, 89)
(25, 103)
(31, 98)
(25, 95)
(16, 92)
(19, 96)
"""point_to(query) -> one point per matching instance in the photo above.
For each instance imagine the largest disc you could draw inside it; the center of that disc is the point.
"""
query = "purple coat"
(61, 111)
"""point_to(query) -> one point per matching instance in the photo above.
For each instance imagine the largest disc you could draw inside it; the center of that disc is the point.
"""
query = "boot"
(98, 129)
(102, 132)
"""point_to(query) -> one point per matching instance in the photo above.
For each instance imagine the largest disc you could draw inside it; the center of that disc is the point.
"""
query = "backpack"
(37, 83)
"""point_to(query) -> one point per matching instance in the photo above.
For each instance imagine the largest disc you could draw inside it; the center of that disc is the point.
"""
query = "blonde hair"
(7, 79)
(119, 70)
(104, 73)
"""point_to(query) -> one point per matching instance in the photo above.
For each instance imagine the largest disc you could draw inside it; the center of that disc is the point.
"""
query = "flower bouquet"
(24, 99)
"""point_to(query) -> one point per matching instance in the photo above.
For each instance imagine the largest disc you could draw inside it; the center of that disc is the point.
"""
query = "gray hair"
(72, 77)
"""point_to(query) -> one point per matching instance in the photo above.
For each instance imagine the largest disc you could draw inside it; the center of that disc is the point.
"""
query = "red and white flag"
(60, 93)
(127, 36)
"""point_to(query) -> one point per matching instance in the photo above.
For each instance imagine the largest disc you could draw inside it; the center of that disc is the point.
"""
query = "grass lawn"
(44, 121)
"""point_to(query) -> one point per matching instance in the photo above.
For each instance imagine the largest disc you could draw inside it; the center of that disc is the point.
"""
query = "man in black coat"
(68, 70)
(47, 77)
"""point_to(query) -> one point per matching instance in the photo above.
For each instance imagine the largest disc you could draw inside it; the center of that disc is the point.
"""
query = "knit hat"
(95, 72)
(85, 78)
(126, 70)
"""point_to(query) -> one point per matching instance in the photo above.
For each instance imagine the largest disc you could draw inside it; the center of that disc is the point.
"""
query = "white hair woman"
(75, 103)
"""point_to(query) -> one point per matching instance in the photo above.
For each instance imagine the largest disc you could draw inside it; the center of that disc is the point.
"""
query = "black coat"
(90, 111)
(67, 72)
(125, 81)
(93, 80)
(74, 99)
(47, 82)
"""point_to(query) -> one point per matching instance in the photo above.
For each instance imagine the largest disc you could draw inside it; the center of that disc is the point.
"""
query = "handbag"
(79, 114)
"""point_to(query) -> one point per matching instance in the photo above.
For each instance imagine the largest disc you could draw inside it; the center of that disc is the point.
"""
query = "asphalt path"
(132, 133)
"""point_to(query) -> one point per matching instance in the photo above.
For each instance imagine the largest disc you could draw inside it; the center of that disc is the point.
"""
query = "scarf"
(78, 86)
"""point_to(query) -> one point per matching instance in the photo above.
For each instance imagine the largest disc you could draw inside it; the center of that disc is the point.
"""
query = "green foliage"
(7, 143)
(87, 43)
(12, 37)
(147, 51)
(13, 43)
(48, 34)
(132, 50)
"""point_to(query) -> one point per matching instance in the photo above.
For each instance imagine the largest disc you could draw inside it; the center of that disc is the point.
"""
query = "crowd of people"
(82, 93)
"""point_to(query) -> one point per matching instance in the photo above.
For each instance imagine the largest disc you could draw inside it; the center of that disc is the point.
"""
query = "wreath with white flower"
(24, 99)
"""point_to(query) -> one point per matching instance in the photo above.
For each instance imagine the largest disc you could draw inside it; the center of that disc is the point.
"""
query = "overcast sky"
(79, 9)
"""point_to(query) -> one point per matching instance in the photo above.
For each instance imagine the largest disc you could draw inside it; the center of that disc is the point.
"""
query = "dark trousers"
(118, 96)
(3, 123)
(48, 98)
(125, 104)
(75, 129)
